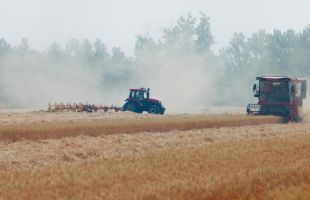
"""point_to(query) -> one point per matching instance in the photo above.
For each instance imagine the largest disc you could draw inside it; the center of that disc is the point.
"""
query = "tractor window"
(131, 94)
(140, 94)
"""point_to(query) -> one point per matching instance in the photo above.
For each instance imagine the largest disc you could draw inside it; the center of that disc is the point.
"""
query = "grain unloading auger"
(138, 101)
(281, 96)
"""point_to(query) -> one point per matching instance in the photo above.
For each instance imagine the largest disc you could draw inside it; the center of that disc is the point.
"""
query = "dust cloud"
(32, 82)
(181, 69)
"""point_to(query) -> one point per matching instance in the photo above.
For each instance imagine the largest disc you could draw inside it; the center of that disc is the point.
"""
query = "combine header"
(282, 96)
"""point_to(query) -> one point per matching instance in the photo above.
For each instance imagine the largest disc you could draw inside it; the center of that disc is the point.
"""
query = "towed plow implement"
(80, 107)
(138, 101)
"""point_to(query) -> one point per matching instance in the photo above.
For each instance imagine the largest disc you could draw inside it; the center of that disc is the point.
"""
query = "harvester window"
(266, 87)
(298, 89)
(276, 84)
(274, 92)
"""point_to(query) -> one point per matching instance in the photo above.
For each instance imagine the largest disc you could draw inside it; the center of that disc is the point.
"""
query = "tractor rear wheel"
(153, 110)
(130, 107)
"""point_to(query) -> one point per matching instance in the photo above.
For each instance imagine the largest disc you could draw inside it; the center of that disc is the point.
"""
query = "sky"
(118, 22)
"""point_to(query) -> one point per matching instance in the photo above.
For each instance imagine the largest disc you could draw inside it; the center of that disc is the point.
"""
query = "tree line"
(185, 46)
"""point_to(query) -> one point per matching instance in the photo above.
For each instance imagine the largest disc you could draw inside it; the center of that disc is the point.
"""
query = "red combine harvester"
(282, 96)
(139, 100)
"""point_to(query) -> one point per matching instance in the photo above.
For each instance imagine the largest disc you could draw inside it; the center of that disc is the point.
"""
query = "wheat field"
(44, 126)
(152, 157)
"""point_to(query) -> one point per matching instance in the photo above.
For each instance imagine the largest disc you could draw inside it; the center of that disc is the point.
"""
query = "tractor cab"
(281, 96)
(141, 93)
(139, 101)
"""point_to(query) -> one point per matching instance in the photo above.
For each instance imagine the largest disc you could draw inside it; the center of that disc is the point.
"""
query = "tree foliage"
(184, 47)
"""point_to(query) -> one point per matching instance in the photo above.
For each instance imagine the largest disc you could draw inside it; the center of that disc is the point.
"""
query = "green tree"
(205, 38)
(145, 46)
(100, 50)
(4, 47)
(236, 54)
(54, 51)
(181, 36)
(73, 47)
(87, 50)
(23, 48)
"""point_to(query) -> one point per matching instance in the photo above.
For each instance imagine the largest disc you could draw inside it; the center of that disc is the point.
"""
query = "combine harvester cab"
(281, 96)
(139, 100)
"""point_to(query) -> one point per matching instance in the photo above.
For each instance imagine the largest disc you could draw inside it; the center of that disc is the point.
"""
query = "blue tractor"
(139, 101)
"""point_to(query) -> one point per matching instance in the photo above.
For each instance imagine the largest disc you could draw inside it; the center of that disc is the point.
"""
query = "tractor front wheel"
(153, 110)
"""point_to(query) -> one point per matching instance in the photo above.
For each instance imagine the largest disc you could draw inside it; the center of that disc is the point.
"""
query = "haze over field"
(192, 54)
(199, 57)
(118, 22)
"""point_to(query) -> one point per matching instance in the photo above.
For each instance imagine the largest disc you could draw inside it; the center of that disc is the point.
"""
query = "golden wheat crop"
(264, 168)
(153, 157)
(69, 150)
(96, 127)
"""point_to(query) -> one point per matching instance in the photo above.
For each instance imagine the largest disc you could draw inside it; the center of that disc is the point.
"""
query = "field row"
(97, 127)
(28, 153)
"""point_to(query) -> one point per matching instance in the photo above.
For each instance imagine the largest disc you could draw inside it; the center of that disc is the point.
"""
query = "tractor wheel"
(153, 110)
(131, 107)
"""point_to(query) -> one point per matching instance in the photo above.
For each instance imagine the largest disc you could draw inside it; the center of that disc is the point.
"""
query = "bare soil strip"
(100, 126)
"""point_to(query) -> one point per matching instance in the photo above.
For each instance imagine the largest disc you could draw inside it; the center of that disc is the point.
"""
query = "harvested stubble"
(264, 168)
(55, 130)
(29, 154)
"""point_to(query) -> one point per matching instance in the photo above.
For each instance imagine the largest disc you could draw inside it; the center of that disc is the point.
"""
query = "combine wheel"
(298, 119)
(153, 110)
(249, 112)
